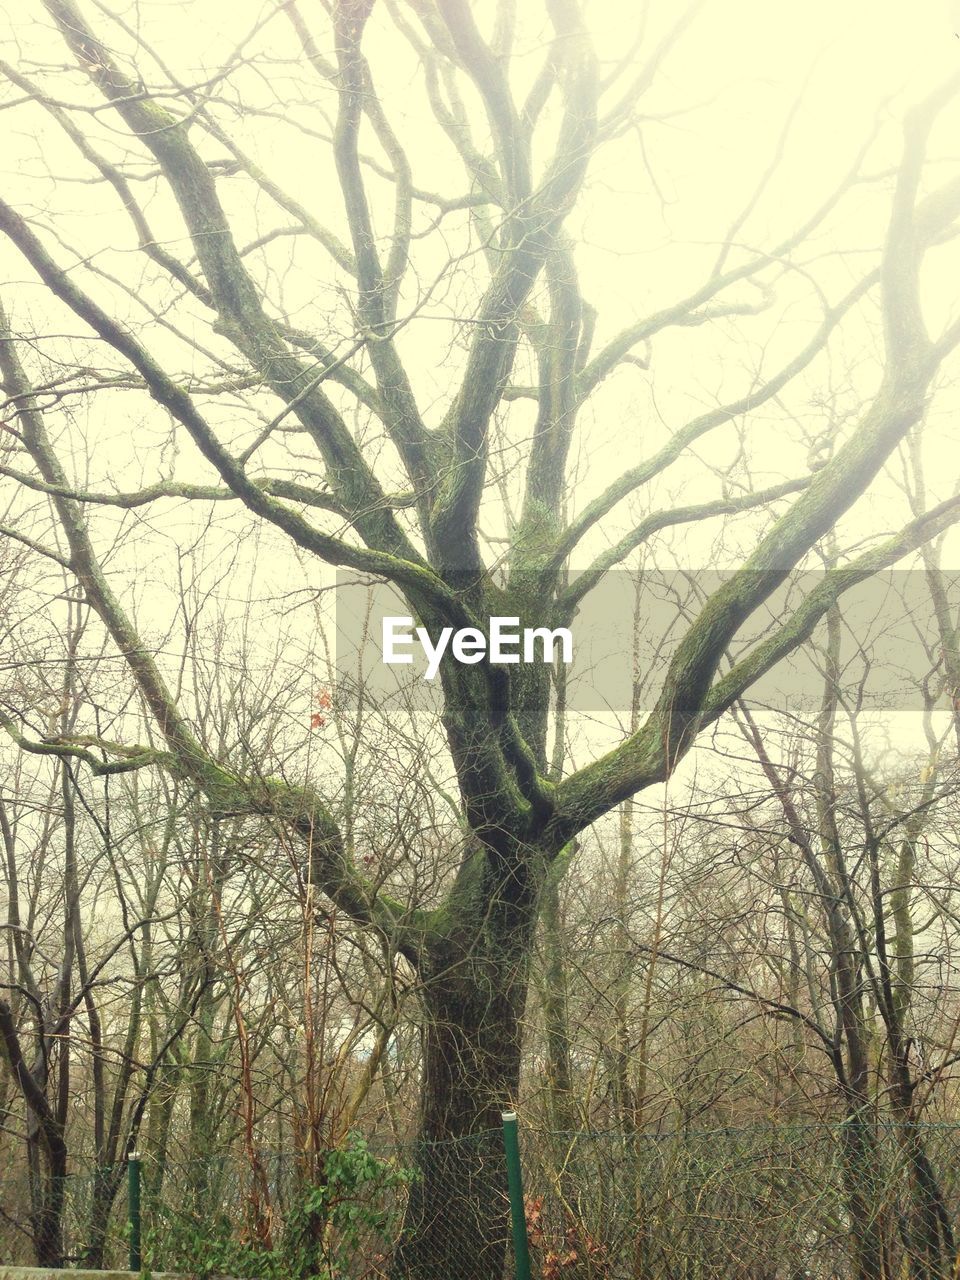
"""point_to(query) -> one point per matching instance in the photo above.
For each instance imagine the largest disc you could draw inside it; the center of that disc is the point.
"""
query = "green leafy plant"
(356, 1201)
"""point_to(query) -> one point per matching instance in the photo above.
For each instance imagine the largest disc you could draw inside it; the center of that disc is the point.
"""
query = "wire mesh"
(776, 1202)
(807, 1202)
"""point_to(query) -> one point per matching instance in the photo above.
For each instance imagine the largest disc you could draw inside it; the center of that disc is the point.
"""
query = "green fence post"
(134, 1169)
(518, 1217)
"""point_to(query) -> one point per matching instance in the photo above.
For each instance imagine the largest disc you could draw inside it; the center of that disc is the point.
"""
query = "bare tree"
(383, 491)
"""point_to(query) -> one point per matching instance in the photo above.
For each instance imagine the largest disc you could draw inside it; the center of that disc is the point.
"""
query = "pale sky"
(657, 203)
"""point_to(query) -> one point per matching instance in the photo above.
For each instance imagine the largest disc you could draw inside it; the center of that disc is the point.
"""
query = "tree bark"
(860, 1176)
(556, 1014)
(475, 987)
(929, 1237)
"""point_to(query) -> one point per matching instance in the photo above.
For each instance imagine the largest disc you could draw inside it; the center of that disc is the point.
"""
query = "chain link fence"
(776, 1202)
(805, 1202)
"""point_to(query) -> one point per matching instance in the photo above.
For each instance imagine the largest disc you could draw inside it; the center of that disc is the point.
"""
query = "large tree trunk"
(475, 986)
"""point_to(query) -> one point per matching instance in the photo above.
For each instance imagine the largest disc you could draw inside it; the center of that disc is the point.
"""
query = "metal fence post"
(518, 1217)
(134, 1170)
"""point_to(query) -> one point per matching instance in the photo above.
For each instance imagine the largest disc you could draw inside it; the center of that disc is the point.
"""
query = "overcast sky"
(657, 203)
